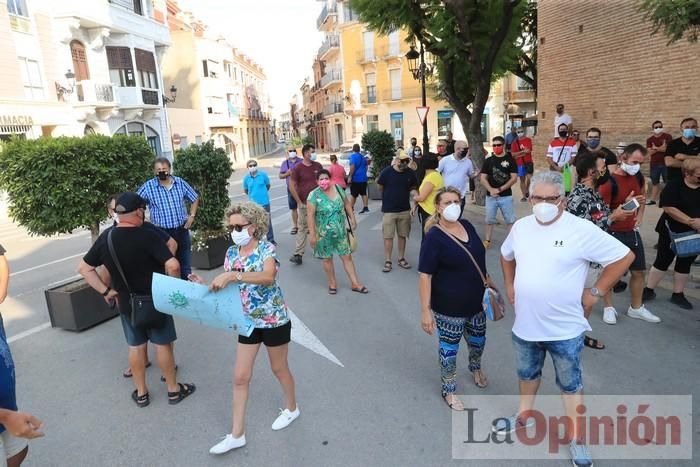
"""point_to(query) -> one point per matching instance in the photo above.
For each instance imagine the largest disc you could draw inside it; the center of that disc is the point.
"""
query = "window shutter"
(145, 60)
(119, 58)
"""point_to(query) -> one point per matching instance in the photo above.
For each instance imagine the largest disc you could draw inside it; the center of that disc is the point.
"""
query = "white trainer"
(285, 418)
(227, 444)
(609, 315)
(643, 314)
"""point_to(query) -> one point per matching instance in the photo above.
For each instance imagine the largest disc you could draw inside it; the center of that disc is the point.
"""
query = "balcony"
(391, 51)
(366, 56)
(323, 23)
(329, 47)
(413, 92)
(150, 97)
(95, 94)
(333, 108)
(137, 98)
(331, 77)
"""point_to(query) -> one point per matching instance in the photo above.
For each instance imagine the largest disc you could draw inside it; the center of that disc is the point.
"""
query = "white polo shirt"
(551, 266)
(456, 172)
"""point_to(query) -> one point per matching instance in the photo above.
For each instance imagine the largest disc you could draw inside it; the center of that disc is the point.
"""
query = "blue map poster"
(185, 299)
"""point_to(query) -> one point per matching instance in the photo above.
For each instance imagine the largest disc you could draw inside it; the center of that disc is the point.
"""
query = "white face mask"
(658, 131)
(253, 170)
(521, 134)
(630, 169)
(451, 213)
(292, 155)
(241, 238)
(545, 212)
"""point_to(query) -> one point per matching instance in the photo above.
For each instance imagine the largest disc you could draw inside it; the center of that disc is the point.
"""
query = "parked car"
(344, 160)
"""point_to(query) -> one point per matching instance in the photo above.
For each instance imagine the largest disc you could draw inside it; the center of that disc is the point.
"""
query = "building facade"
(608, 70)
(75, 68)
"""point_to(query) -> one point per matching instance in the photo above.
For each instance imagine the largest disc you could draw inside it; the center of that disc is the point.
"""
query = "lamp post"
(420, 71)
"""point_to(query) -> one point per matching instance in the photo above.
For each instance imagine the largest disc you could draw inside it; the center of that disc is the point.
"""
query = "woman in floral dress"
(327, 207)
(252, 264)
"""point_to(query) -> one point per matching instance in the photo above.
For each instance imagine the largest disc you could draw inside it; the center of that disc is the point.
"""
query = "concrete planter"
(373, 191)
(213, 255)
(75, 306)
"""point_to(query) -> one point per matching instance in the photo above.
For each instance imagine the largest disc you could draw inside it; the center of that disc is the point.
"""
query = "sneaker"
(643, 314)
(285, 418)
(364, 210)
(648, 294)
(227, 444)
(296, 259)
(609, 315)
(580, 455)
(650, 202)
(621, 286)
(680, 300)
(504, 426)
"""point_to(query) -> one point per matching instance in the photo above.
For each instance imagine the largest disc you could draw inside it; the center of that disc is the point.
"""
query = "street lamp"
(62, 90)
(173, 96)
(420, 71)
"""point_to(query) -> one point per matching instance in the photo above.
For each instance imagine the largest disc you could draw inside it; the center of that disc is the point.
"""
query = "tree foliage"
(207, 169)
(57, 185)
(677, 18)
(380, 145)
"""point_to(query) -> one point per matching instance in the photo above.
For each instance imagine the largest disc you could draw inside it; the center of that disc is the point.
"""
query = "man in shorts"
(498, 175)
(358, 178)
(521, 150)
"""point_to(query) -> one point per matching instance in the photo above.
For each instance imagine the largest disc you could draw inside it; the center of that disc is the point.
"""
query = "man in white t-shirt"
(457, 169)
(551, 315)
(560, 118)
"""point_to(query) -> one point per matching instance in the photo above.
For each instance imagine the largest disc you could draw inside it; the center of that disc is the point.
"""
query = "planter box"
(373, 191)
(76, 306)
(213, 255)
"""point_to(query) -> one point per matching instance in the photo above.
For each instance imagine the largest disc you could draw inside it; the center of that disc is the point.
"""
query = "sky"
(280, 35)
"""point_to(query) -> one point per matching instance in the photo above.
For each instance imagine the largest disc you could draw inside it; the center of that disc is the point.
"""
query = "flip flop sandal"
(484, 381)
(404, 264)
(332, 291)
(128, 374)
(141, 401)
(387, 266)
(362, 290)
(162, 378)
(294, 231)
(593, 343)
(451, 406)
(177, 396)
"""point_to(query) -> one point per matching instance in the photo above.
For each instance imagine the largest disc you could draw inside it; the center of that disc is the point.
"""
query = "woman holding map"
(252, 264)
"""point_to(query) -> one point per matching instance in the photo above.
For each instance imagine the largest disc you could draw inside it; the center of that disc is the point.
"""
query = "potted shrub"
(80, 174)
(208, 170)
(380, 146)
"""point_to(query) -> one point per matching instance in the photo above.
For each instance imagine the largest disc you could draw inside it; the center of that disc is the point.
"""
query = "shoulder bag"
(684, 244)
(493, 303)
(143, 312)
(351, 235)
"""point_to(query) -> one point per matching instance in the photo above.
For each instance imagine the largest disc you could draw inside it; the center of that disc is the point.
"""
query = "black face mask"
(563, 134)
(463, 153)
(403, 166)
(162, 175)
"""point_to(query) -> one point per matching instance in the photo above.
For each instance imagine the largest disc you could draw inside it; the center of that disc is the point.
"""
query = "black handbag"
(143, 312)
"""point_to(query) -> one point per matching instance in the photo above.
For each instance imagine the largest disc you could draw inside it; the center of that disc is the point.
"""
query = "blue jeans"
(566, 356)
(270, 233)
(505, 204)
(184, 249)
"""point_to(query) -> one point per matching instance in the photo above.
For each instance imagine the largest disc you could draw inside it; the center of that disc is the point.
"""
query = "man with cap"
(140, 252)
(396, 183)
(165, 195)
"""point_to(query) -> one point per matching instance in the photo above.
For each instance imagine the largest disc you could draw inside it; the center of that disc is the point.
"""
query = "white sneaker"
(609, 315)
(285, 418)
(643, 314)
(227, 444)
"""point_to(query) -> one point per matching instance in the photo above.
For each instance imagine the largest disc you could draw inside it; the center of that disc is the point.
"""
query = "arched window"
(88, 130)
(139, 129)
(80, 65)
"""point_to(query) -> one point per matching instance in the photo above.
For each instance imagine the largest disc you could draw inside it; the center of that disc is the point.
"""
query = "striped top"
(166, 205)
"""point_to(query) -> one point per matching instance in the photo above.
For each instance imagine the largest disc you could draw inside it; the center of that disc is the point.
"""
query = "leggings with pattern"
(450, 332)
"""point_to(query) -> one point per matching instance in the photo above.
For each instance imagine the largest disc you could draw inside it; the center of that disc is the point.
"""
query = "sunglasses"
(497, 145)
(252, 165)
(545, 199)
(658, 127)
(236, 227)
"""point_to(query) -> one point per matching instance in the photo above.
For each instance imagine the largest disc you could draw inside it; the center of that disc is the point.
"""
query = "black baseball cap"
(129, 202)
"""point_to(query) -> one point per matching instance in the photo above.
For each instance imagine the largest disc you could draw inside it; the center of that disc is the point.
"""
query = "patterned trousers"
(450, 332)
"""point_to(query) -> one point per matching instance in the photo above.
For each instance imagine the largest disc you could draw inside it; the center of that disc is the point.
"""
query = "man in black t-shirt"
(140, 253)
(396, 183)
(499, 173)
(678, 150)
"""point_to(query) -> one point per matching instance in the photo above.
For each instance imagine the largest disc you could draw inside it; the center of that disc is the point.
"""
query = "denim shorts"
(505, 204)
(566, 356)
(139, 336)
(656, 173)
(291, 202)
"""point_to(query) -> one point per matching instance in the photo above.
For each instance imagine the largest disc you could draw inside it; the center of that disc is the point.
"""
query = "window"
(198, 140)
(397, 127)
(146, 65)
(183, 142)
(31, 77)
(394, 45)
(368, 41)
(395, 80)
(372, 122)
(210, 68)
(371, 80)
(131, 5)
(121, 68)
(444, 122)
(139, 129)
(522, 85)
(17, 7)
(80, 66)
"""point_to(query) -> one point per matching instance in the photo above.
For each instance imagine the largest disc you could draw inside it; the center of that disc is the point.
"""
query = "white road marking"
(28, 332)
(303, 336)
(40, 266)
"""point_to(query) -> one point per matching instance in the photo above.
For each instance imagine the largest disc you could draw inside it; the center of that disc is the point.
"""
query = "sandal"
(593, 343)
(177, 396)
(480, 379)
(332, 290)
(162, 378)
(362, 290)
(452, 405)
(141, 401)
(387, 266)
(128, 374)
(294, 231)
(404, 264)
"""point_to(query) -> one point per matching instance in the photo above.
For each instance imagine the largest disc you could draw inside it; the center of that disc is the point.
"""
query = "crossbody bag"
(351, 235)
(684, 244)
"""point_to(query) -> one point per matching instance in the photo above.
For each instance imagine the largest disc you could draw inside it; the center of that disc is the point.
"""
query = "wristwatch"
(104, 294)
(595, 292)
(239, 276)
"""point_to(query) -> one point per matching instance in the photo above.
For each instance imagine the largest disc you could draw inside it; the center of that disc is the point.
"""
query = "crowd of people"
(587, 211)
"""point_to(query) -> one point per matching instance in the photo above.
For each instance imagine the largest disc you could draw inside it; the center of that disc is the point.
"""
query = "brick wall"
(597, 57)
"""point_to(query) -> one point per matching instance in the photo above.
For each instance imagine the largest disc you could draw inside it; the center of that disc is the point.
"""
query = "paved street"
(381, 406)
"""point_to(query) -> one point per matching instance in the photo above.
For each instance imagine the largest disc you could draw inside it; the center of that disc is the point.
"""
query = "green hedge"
(380, 145)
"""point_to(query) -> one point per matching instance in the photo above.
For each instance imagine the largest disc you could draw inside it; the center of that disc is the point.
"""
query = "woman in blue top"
(451, 290)
(252, 263)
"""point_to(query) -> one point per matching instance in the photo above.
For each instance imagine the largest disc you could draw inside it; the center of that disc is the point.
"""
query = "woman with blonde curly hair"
(252, 264)
(451, 290)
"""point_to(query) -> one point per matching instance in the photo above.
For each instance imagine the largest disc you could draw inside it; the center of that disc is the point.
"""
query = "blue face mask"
(689, 133)
(313, 156)
(593, 143)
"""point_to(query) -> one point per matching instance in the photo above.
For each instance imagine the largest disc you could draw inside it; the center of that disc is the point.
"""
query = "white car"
(344, 160)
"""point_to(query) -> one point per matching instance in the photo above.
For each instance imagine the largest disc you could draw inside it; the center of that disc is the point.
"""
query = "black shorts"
(271, 337)
(358, 189)
(633, 241)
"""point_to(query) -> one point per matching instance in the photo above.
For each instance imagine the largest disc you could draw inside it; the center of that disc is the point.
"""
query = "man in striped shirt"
(166, 195)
